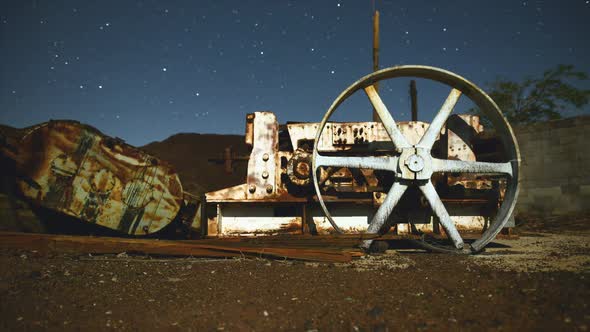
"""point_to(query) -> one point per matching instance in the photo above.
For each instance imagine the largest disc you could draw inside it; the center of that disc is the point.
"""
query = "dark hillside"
(190, 154)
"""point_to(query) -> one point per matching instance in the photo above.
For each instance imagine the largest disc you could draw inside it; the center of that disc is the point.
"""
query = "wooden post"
(376, 54)
(414, 98)
(227, 156)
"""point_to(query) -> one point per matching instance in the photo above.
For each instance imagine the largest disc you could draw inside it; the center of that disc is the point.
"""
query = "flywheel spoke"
(462, 166)
(439, 120)
(380, 218)
(380, 163)
(393, 196)
(441, 212)
(388, 122)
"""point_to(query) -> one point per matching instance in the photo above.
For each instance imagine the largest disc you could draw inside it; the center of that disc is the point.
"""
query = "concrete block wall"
(555, 166)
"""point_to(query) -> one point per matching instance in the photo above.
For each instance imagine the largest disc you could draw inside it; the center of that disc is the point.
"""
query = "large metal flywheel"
(414, 165)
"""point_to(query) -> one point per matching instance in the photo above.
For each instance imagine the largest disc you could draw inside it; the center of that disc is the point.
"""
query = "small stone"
(19, 318)
(265, 313)
(114, 279)
(109, 312)
(567, 320)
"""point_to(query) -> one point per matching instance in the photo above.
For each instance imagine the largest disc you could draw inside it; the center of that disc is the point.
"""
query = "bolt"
(269, 188)
(252, 188)
(265, 157)
(378, 195)
(264, 174)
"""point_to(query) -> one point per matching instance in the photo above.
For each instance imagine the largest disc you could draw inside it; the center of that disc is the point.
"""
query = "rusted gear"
(414, 165)
(299, 168)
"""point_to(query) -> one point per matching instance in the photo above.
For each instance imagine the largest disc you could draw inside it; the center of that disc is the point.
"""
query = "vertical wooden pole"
(414, 99)
(376, 53)
(227, 158)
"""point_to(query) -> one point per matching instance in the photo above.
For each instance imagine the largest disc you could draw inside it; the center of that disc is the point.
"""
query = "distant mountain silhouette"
(189, 153)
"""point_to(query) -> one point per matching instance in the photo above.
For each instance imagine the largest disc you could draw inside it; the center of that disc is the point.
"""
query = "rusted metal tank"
(74, 169)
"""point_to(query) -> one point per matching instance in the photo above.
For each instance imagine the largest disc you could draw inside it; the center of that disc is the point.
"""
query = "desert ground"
(537, 280)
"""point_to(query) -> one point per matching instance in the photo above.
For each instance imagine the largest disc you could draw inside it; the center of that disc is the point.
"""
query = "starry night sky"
(144, 70)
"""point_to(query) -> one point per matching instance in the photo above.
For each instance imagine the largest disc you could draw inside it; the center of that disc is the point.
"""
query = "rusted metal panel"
(342, 136)
(75, 169)
(262, 165)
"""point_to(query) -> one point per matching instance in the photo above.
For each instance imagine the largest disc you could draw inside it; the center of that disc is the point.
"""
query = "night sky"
(144, 70)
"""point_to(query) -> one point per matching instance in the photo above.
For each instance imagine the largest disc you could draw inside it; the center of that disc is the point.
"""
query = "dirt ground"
(540, 281)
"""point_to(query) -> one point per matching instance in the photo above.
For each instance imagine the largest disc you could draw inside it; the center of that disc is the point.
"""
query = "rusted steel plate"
(74, 169)
(342, 136)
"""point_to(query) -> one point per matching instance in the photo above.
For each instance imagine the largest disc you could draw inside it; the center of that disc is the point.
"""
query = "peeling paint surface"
(74, 169)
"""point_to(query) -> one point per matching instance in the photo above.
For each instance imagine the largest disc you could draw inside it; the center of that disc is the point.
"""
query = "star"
(100, 86)
(197, 94)
(164, 69)
(261, 52)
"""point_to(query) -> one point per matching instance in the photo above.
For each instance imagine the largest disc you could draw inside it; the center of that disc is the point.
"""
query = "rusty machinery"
(73, 169)
(438, 183)
(432, 182)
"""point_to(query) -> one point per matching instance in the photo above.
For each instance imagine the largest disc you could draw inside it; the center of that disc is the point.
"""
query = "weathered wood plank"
(105, 245)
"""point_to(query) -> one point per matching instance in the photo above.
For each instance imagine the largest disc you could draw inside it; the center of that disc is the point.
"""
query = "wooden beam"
(219, 249)
(376, 55)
